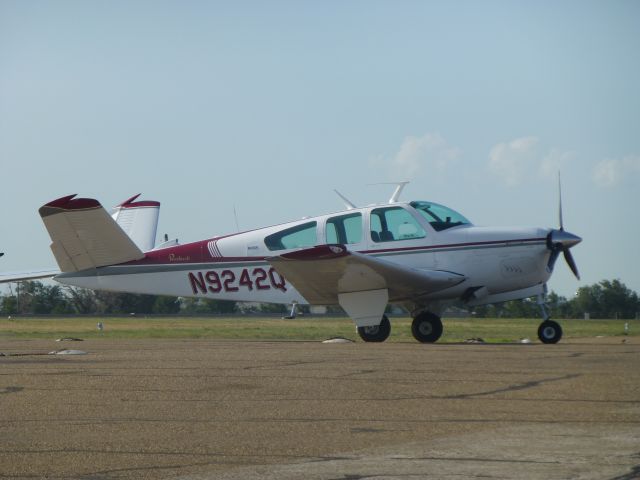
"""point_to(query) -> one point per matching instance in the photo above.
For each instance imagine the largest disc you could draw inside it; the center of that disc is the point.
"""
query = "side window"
(295, 237)
(394, 223)
(344, 229)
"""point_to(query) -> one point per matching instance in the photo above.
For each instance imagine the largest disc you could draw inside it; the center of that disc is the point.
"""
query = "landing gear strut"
(294, 310)
(548, 331)
(376, 333)
(426, 327)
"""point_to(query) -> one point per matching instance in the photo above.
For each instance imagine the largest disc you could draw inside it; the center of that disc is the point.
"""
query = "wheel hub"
(425, 328)
(372, 330)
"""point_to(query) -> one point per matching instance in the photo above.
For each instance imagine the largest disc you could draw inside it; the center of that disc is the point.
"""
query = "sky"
(263, 108)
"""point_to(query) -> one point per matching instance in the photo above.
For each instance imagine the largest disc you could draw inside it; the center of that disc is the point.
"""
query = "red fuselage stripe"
(196, 252)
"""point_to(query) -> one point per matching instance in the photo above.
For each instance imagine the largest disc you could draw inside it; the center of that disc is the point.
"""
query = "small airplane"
(420, 255)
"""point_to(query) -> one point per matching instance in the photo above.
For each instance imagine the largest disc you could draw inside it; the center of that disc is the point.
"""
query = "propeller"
(561, 241)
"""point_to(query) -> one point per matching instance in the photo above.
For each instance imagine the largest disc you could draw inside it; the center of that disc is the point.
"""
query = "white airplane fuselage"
(498, 263)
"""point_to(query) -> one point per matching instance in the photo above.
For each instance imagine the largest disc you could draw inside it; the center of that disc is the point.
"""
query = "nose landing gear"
(548, 331)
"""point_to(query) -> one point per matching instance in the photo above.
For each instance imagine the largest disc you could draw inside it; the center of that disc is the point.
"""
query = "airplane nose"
(560, 241)
(563, 239)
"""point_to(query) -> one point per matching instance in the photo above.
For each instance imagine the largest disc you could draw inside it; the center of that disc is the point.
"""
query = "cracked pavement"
(203, 409)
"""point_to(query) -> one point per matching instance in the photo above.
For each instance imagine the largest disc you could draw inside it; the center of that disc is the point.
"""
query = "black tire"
(549, 332)
(376, 333)
(426, 327)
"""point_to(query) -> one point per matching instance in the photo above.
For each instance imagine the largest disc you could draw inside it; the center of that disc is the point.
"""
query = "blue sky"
(268, 106)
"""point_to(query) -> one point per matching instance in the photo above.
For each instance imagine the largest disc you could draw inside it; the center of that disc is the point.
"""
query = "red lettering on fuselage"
(226, 280)
(197, 283)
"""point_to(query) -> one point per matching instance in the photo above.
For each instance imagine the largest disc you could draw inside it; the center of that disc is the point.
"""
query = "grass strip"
(494, 330)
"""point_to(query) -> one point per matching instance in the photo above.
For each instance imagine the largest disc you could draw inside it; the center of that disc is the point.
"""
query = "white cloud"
(513, 160)
(611, 171)
(429, 151)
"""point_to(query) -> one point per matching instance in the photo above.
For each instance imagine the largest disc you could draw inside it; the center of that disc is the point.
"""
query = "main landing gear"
(376, 333)
(426, 327)
(548, 331)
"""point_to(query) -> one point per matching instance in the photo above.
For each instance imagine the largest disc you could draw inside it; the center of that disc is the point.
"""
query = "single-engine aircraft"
(420, 255)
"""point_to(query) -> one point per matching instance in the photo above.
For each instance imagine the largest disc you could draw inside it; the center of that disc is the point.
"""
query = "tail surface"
(139, 220)
(85, 236)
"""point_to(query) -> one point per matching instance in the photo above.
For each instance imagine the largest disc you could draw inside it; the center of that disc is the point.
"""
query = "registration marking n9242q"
(216, 281)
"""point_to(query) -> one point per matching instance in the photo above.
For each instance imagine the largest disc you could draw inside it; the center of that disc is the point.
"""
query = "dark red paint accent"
(319, 252)
(197, 283)
(214, 282)
(245, 279)
(198, 252)
(275, 283)
(195, 252)
(453, 245)
(229, 278)
(129, 203)
(261, 276)
(213, 279)
(71, 203)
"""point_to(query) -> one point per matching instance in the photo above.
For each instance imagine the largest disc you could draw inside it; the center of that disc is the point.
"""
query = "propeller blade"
(552, 259)
(560, 203)
(571, 262)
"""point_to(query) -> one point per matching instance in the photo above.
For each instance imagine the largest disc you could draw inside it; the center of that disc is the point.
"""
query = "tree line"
(605, 299)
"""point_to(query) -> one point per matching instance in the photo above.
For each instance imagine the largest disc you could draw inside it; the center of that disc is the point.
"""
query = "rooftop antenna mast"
(396, 192)
(347, 202)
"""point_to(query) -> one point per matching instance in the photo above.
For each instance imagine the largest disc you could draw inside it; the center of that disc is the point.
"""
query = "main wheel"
(376, 333)
(426, 327)
(549, 332)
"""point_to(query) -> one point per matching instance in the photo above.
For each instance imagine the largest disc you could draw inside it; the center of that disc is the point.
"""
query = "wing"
(331, 274)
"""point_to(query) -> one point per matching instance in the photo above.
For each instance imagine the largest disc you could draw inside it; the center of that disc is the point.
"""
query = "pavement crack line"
(6, 390)
(634, 474)
(511, 388)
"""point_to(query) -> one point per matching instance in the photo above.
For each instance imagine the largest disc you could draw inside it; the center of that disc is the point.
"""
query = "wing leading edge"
(361, 284)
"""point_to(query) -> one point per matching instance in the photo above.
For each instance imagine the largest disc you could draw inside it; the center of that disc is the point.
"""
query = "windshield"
(439, 216)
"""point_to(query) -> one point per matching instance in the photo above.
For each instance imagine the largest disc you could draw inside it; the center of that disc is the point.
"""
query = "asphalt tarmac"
(266, 410)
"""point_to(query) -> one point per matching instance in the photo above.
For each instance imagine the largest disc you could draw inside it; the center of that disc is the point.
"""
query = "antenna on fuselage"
(347, 202)
(396, 192)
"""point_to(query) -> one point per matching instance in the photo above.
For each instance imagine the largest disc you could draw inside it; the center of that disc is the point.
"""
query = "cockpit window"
(394, 223)
(439, 216)
(295, 237)
(345, 229)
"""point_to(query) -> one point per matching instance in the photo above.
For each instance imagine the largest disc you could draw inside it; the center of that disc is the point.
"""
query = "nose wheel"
(549, 332)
